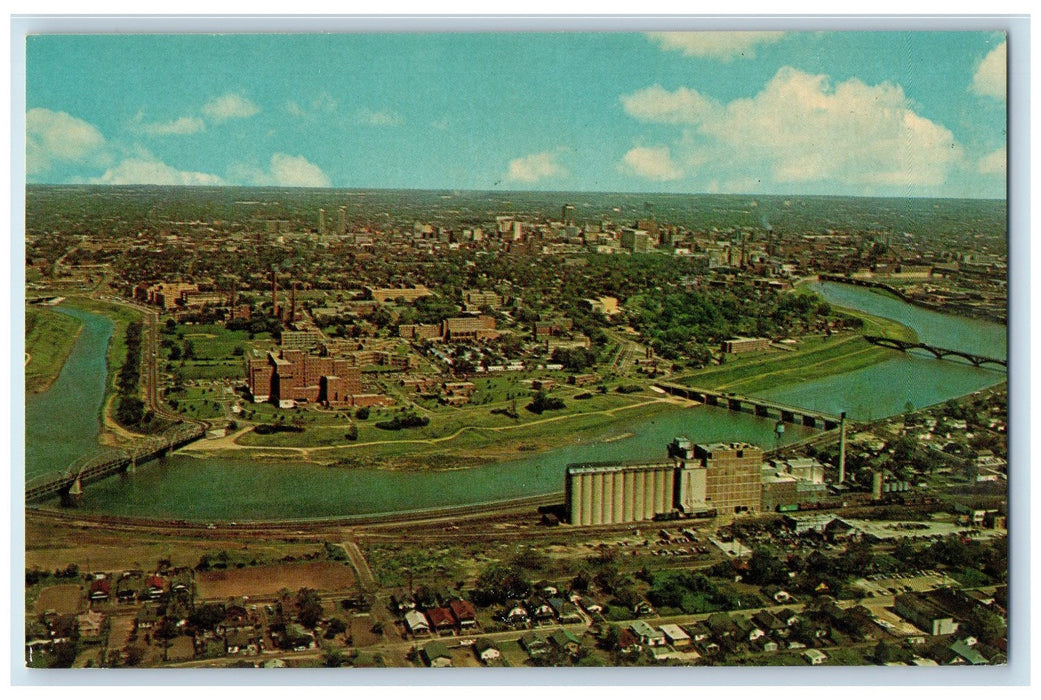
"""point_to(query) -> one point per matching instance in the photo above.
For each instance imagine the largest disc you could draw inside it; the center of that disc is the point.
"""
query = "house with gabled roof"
(441, 619)
(534, 644)
(487, 653)
(628, 642)
(417, 623)
(463, 611)
(647, 634)
(435, 654)
(770, 623)
(565, 641)
(100, 590)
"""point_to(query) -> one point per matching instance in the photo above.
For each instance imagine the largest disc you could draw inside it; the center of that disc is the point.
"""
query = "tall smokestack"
(274, 294)
(842, 447)
(292, 303)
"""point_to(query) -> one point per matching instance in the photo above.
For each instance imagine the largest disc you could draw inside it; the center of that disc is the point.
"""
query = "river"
(203, 489)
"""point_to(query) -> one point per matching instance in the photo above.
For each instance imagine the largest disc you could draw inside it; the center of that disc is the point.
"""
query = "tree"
(189, 349)
(309, 607)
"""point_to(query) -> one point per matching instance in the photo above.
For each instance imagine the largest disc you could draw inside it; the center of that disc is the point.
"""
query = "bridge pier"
(787, 416)
(734, 404)
(809, 421)
(761, 410)
(711, 400)
(831, 424)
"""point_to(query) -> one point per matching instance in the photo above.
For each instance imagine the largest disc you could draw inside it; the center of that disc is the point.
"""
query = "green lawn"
(49, 338)
(815, 358)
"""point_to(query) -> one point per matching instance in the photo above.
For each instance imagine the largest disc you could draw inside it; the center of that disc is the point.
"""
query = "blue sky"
(843, 113)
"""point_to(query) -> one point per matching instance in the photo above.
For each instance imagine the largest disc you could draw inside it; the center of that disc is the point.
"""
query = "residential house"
(770, 623)
(748, 631)
(788, 617)
(647, 634)
(297, 638)
(675, 636)
(542, 611)
(815, 656)
(435, 655)
(90, 625)
(565, 641)
(417, 623)
(487, 653)
(643, 608)
(441, 619)
(964, 652)
(127, 587)
(566, 611)
(155, 586)
(534, 643)
(402, 600)
(242, 641)
(722, 626)
(147, 618)
(515, 614)
(100, 590)
(464, 612)
(628, 642)
(699, 632)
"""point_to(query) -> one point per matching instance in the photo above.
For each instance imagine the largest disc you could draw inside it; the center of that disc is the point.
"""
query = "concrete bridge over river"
(757, 406)
(112, 461)
(938, 352)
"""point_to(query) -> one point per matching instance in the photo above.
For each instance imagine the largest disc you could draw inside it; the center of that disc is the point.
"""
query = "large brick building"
(292, 376)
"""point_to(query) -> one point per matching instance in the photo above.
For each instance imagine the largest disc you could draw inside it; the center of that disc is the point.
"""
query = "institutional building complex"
(291, 376)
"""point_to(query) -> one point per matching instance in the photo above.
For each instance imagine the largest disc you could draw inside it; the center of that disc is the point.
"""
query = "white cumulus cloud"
(284, 170)
(652, 163)
(535, 167)
(682, 106)
(991, 76)
(145, 171)
(382, 117)
(800, 128)
(175, 127)
(994, 163)
(720, 45)
(52, 137)
(229, 106)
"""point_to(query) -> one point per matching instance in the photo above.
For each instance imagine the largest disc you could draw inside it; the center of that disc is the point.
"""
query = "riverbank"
(49, 339)
(111, 432)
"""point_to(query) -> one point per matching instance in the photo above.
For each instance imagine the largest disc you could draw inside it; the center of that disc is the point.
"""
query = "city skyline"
(919, 114)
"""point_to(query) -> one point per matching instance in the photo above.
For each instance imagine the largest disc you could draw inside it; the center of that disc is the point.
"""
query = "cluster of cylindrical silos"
(608, 494)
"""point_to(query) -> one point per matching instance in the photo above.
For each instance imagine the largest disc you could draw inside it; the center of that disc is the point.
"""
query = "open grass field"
(49, 338)
(63, 598)
(495, 436)
(269, 580)
(814, 359)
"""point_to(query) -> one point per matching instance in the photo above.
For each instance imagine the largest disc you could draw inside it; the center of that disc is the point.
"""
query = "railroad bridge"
(938, 352)
(111, 461)
(760, 407)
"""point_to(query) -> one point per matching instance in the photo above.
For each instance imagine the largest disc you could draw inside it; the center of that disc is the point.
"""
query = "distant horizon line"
(283, 188)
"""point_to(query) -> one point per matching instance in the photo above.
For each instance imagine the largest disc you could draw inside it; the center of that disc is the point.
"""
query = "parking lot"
(878, 585)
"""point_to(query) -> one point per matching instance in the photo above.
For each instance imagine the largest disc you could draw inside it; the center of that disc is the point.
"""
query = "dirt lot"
(268, 580)
(65, 598)
(361, 630)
